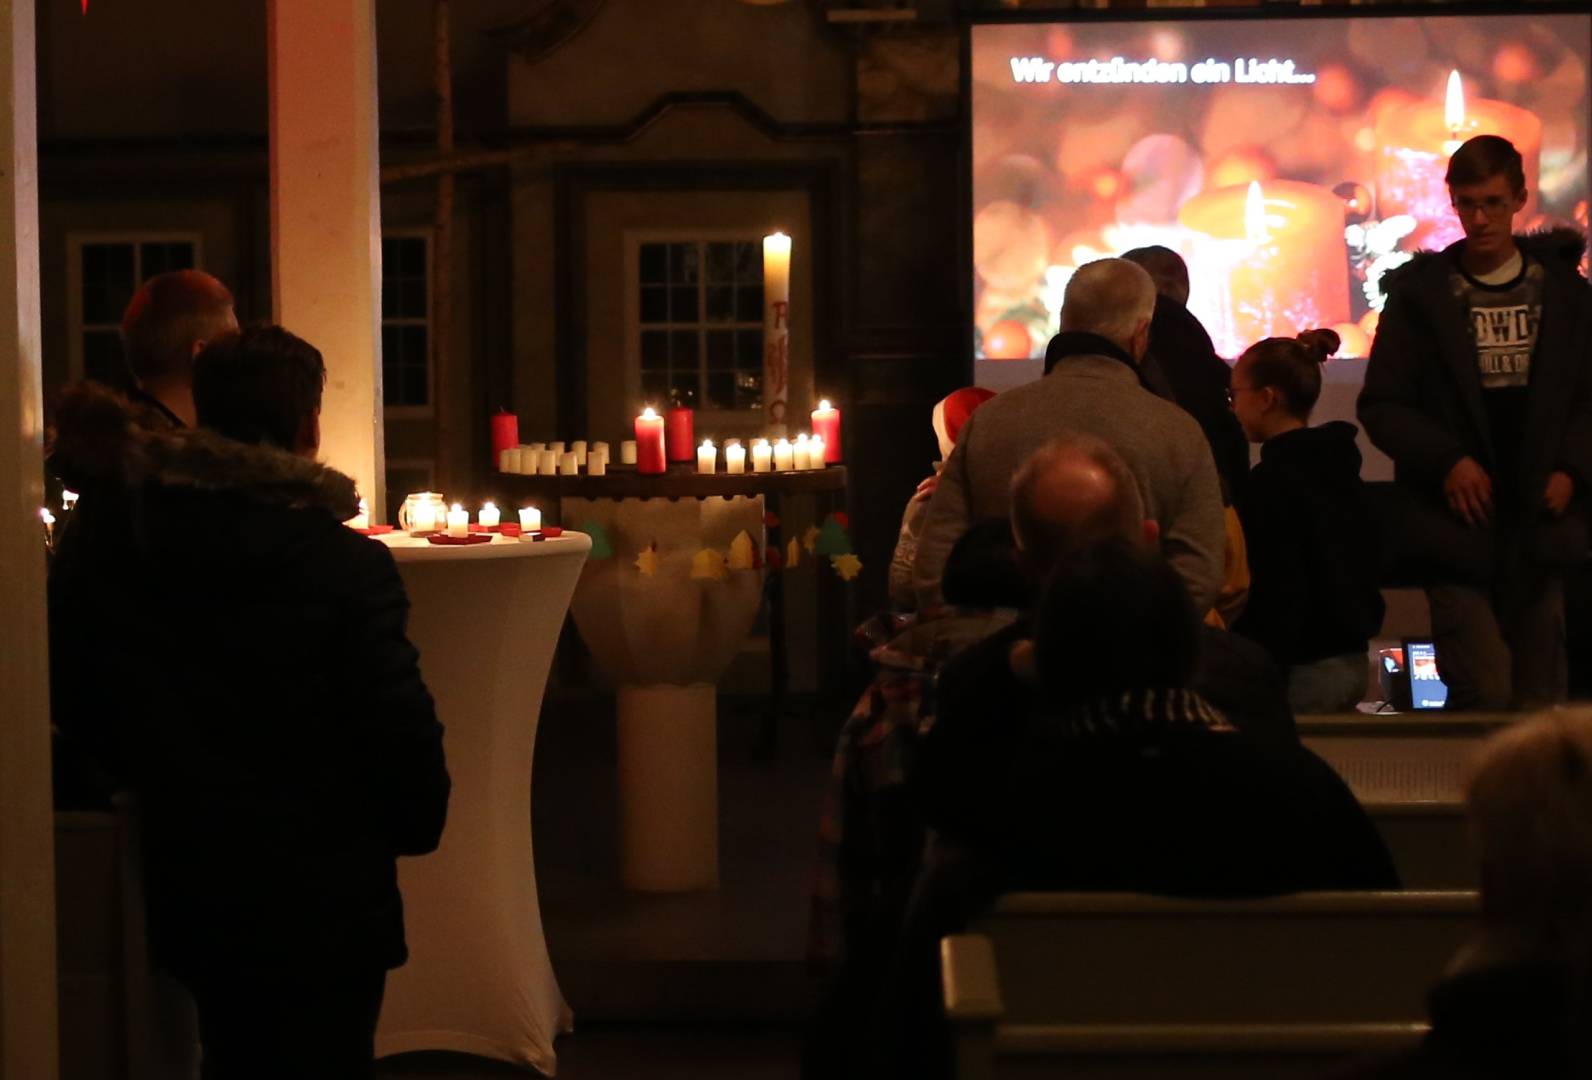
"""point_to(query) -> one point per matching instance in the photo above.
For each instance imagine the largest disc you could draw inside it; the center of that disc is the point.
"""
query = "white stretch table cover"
(486, 619)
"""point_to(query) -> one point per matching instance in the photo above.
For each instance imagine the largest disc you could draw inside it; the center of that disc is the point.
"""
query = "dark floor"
(709, 984)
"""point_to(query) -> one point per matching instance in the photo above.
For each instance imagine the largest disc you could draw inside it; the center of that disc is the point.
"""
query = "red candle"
(826, 425)
(649, 443)
(505, 433)
(681, 441)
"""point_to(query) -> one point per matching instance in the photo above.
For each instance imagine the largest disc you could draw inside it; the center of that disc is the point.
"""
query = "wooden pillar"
(27, 862)
(326, 216)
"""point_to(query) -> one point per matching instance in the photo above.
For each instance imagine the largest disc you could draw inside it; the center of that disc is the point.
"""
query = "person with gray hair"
(1094, 389)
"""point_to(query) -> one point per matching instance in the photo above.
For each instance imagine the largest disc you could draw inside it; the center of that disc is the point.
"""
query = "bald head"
(168, 319)
(1074, 494)
(1165, 267)
(1113, 298)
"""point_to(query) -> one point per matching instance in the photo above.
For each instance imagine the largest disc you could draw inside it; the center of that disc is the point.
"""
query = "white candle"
(799, 453)
(776, 328)
(627, 452)
(597, 465)
(557, 447)
(505, 458)
(423, 517)
(762, 456)
(568, 465)
(458, 521)
(489, 516)
(360, 520)
(815, 453)
(707, 458)
(530, 519)
(784, 456)
(578, 448)
(537, 446)
(735, 459)
(547, 463)
(599, 448)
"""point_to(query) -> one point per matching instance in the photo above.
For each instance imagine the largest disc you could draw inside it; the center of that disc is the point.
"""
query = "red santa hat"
(952, 412)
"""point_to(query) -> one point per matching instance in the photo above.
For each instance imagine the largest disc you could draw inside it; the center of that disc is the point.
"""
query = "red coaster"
(459, 541)
(374, 530)
(552, 531)
(507, 528)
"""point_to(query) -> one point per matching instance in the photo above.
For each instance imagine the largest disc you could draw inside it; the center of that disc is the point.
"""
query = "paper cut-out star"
(743, 554)
(847, 566)
(793, 554)
(810, 538)
(647, 561)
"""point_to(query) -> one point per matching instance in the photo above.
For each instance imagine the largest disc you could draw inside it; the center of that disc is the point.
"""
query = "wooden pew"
(1131, 987)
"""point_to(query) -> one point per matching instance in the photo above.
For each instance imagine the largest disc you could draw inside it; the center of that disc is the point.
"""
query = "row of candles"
(425, 514)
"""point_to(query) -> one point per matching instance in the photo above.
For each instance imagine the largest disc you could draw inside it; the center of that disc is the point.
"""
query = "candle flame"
(457, 509)
(45, 516)
(707, 444)
(68, 498)
(648, 414)
(488, 506)
(802, 437)
(1255, 213)
(1454, 104)
(759, 442)
(783, 442)
(823, 405)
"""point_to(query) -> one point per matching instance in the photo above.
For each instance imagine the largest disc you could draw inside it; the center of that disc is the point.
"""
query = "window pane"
(749, 303)
(412, 299)
(654, 349)
(721, 390)
(721, 303)
(683, 387)
(721, 348)
(654, 262)
(721, 263)
(749, 349)
(654, 387)
(107, 281)
(160, 258)
(748, 390)
(683, 304)
(683, 264)
(102, 359)
(416, 388)
(685, 349)
(654, 304)
(749, 263)
(404, 371)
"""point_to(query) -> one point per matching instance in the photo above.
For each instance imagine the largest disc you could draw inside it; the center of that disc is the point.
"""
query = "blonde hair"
(1529, 795)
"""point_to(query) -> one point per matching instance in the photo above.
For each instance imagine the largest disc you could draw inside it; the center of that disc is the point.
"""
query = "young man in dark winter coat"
(1479, 388)
(236, 657)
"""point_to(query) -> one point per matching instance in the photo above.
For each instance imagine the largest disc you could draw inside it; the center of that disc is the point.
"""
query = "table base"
(668, 787)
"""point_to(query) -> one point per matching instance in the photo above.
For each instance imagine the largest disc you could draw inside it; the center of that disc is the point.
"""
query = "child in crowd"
(949, 415)
(1313, 600)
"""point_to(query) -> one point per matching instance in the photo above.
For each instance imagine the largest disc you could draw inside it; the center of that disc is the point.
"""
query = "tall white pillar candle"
(735, 459)
(776, 329)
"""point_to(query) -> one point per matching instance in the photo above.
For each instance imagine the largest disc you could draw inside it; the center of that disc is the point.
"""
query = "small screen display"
(1427, 688)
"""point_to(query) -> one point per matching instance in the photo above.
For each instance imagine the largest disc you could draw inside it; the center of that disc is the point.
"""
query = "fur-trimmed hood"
(1561, 248)
(103, 440)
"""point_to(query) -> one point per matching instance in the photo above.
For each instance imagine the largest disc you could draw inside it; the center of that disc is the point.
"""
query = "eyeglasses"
(1492, 206)
(1235, 390)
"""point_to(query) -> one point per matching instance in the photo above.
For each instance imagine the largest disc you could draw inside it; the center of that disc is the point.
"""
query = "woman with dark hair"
(1313, 597)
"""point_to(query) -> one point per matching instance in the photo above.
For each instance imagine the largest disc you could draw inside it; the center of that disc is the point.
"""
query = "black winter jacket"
(1422, 404)
(1312, 547)
(237, 658)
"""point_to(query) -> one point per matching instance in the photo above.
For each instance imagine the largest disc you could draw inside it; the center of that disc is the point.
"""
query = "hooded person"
(1313, 602)
(950, 414)
(235, 656)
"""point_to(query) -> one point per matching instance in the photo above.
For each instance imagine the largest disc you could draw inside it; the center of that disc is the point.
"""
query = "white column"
(326, 216)
(27, 860)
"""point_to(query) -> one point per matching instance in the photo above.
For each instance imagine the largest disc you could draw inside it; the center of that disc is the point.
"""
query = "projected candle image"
(1291, 162)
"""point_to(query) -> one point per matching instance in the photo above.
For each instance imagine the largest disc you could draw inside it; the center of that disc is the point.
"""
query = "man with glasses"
(1479, 389)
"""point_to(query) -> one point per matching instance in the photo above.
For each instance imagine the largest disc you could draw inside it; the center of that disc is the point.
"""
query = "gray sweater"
(1091, 395)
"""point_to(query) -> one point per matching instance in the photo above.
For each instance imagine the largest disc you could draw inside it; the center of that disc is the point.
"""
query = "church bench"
(1126, 986)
